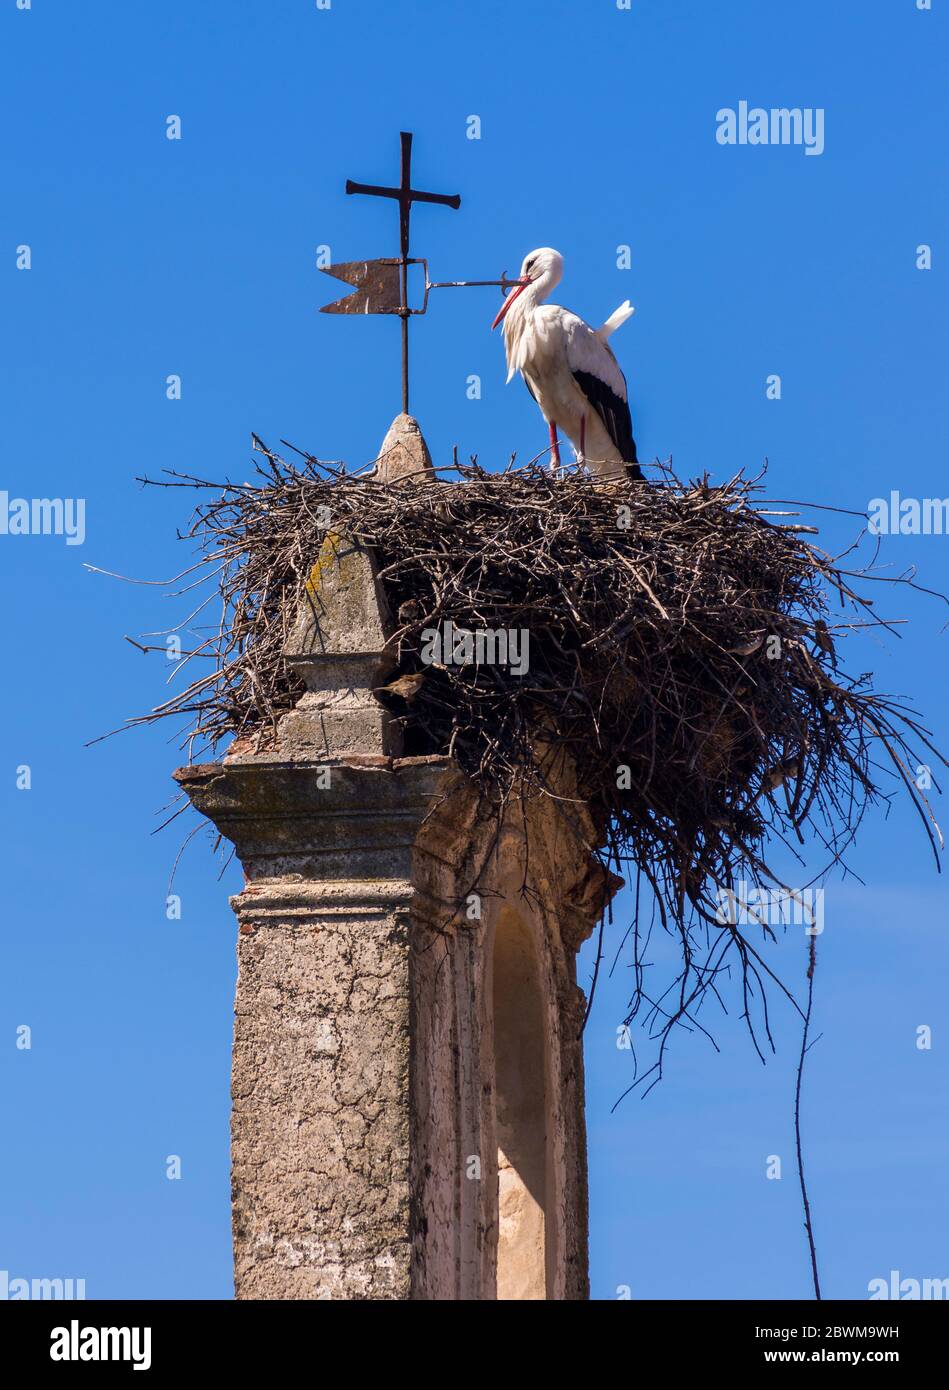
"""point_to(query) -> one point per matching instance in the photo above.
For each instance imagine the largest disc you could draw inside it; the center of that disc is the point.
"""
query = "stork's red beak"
(522, 286)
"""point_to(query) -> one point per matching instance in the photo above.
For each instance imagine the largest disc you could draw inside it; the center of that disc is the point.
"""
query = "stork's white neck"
(533, 294)
(538, 290)
(518, 317)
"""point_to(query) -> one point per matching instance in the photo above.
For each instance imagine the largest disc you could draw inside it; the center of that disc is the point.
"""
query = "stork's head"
(540, 272)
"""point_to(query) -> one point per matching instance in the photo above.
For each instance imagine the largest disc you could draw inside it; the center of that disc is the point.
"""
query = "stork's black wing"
(612, 410)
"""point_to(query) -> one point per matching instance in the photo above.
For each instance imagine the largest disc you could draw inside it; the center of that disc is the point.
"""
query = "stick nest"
(683, 651)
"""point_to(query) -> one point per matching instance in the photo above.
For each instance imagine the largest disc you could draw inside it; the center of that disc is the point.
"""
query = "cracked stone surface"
(320, 1126)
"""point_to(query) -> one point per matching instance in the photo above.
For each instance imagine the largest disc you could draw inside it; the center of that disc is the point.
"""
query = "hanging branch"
(811, 966)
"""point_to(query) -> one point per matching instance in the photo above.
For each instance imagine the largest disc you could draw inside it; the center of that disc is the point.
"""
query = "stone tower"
(407, 1071)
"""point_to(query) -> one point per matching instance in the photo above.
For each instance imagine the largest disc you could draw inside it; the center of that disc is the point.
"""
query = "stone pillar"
(407, 1072)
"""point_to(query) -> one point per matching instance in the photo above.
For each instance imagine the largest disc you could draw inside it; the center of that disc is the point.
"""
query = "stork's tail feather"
(616, 320)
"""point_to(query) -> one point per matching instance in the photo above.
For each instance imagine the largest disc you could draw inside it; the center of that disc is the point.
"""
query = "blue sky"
(196, 257)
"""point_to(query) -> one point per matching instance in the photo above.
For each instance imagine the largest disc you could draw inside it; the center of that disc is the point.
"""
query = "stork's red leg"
(583, 437)
(554, 446)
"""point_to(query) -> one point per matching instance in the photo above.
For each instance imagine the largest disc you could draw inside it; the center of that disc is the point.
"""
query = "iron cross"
(405, 195)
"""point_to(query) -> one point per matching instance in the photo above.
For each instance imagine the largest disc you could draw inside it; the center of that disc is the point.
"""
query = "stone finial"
(404, 453)
(338, 640)
(338, 645)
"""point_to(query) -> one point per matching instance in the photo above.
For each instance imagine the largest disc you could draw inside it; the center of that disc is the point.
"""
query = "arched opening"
(525, 1232)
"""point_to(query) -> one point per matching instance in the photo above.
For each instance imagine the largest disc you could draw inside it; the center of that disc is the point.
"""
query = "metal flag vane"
(381, 286)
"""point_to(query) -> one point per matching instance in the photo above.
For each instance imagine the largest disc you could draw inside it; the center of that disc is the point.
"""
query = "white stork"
(569, 369)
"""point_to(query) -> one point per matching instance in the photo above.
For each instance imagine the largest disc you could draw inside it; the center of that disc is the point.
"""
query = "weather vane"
(381, 286)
